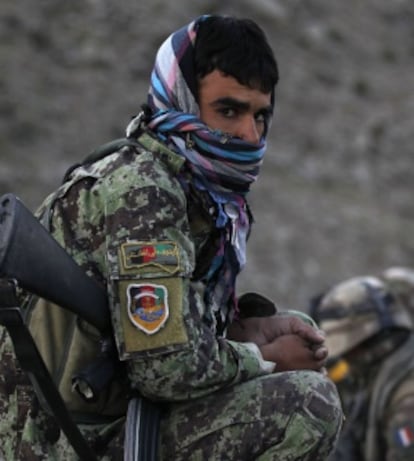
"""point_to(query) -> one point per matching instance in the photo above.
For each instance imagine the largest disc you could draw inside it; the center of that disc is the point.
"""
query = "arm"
(398, 423)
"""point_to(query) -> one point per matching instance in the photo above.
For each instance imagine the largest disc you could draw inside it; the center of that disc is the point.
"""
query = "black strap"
(32, 363)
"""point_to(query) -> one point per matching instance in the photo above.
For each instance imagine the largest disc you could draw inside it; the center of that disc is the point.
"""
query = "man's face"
(228, 106)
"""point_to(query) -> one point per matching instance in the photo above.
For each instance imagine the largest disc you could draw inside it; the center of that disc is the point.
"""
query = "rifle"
(30, 258)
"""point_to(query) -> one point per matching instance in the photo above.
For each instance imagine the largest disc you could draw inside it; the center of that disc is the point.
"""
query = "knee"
(314, 416)
(323, 405)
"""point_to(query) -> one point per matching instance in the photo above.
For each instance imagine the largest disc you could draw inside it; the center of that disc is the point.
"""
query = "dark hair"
(236, 47)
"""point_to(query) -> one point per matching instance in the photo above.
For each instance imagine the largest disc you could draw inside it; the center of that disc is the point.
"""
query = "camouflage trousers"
(284, 416)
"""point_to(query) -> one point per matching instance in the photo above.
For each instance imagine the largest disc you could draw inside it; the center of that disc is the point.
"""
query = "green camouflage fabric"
(126, 219)
(28, 433)
(379, 407)
(397, 427)
(287, 416)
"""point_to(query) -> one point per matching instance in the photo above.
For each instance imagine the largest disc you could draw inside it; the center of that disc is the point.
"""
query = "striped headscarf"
(221, 163)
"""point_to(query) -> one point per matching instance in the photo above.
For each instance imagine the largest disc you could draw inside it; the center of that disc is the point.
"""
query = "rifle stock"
(40, 265)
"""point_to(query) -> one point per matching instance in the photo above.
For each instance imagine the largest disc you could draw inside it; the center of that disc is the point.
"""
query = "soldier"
(369, 333)
(162, 223)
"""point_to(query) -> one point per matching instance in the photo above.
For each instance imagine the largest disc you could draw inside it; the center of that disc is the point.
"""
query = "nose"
(248, 131)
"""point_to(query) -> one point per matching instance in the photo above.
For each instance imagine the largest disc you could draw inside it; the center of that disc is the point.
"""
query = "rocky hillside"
(336, 191)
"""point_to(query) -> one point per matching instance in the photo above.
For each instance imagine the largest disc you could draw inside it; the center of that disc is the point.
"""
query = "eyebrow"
(239, 105)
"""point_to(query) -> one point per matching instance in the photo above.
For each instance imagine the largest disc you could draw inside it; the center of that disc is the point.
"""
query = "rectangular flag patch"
(405, 436)
(148, 257)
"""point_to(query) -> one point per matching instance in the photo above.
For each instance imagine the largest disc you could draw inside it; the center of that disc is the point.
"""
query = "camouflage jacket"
(128, 221)
(131, 223)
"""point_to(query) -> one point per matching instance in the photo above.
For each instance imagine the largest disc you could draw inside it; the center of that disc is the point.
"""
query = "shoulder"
(399, 384)
(403, 391)
(396, 370)
(124, 180)
(125, 173)
(146, 163)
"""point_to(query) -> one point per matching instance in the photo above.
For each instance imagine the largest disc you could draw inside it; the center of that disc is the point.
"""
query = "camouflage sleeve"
(399, 423)
(131, 229)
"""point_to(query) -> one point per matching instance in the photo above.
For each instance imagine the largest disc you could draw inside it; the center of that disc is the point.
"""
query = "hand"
(285, 323)
(284, 339)
(292, 352)
(262, 330)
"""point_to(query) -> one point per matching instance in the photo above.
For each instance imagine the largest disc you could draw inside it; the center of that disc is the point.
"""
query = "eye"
(228, 112)
(260, 118)
(263, 116)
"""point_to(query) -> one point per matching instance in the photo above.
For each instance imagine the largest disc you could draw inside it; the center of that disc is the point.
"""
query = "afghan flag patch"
(405, 435)
(147, 306)
(161, 255)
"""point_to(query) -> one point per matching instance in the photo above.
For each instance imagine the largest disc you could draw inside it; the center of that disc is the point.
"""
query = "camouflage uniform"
(128, 221)
(370, 330)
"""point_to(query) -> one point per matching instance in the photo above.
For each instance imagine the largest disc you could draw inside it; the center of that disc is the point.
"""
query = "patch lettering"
(147, 306)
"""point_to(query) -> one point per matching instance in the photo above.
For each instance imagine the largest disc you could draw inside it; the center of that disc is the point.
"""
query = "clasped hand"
(286, 340)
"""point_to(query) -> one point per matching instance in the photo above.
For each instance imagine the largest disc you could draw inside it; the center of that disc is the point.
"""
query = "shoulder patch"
(147, 256)
(152, 314)
(147, 306)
